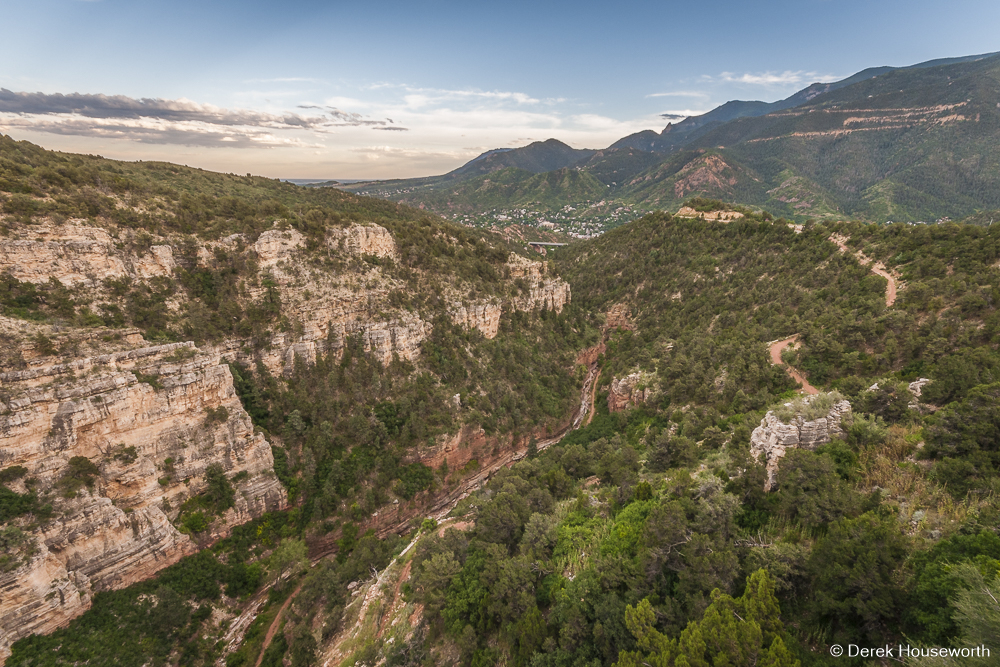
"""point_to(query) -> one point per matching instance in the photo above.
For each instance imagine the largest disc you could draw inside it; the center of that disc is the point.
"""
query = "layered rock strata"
(723, 216)
(773, 437)
(324, 308)
(630, 390)
(543, 292)
(152, 420)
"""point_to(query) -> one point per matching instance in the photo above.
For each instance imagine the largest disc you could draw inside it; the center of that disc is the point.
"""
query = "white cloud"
(773, 78)
(682, 113)
(181, 121)
(681, 93)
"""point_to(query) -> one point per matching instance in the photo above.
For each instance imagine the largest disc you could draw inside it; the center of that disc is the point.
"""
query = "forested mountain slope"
(396, 366)
(905, 144)
(370, 346)
(635, 539)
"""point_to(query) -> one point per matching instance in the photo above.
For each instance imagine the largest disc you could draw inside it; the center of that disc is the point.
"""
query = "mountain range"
(903, 143)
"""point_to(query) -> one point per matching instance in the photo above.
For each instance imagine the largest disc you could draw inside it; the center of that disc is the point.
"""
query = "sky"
(386, 89)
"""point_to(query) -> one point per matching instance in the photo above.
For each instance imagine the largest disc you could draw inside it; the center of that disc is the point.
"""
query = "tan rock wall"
(773, 437)
(484, 316)
(70, 253)
(119, 532)
(543, 292)
(363, 240)
(76, 253)
(38, 598)
(630, 390)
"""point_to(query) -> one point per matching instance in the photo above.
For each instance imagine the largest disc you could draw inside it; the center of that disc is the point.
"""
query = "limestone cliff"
(774, 437)
(537, 290)
(630, 390)
(151, 419)
(322, 307)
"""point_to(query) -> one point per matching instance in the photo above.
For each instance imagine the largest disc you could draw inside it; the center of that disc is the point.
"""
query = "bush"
(220, 493)
(195, 522)
(80, 472)
(16, 548)
(12, 473)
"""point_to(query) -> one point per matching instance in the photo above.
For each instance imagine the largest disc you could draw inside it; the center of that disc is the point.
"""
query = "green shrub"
(11, 473)
(80, 472)
(195, 522)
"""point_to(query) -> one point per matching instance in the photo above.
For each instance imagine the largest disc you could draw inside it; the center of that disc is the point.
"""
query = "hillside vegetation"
(645, 536)
(897, 144)
(630, 542)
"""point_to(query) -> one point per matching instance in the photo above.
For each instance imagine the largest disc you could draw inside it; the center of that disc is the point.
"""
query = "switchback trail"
(878, 268)
(776, 348)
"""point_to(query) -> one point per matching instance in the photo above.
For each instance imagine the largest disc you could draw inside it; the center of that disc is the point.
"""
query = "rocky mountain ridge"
(918, 130)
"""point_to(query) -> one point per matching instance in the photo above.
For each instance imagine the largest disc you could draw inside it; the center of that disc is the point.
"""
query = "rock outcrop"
(363, 240)
(542, 291)
(774, 437)
(78, 254)
(722, 216)
(152, 420)
(40, 597)
(482, 315)
(630, 390)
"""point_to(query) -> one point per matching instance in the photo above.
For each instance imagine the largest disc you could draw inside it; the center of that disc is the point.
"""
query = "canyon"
(153, 418)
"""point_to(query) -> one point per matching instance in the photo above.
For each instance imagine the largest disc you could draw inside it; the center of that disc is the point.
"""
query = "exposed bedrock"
(152, 420)
(773, 437)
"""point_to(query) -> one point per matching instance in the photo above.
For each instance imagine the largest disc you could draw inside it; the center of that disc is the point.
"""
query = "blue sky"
(395, 89)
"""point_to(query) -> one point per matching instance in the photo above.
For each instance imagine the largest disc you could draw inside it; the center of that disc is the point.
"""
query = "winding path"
(276, 623)
(878, 268)
(776, 349)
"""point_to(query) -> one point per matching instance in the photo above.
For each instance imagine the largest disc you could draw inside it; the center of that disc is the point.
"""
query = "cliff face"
(77, 254)
(538, 291)
(151, 420)
(323, 307)
(629, 390)
(773, 437)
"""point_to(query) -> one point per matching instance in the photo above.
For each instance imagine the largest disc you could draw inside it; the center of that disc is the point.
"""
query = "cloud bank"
(421, 131)
(786, 78)
(160, 121)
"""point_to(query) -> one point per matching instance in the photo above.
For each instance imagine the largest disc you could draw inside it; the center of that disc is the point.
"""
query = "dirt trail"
(878, 268)
(776, 348)
(593, 397)
(276, 623)
(890, 291)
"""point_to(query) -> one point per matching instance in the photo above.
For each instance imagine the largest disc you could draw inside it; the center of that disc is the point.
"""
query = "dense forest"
(645, 537)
